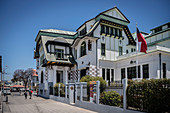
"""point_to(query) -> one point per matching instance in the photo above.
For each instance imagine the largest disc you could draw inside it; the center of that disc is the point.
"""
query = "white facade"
(102, 46)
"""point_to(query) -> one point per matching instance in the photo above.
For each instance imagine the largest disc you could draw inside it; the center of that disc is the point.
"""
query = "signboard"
(93, 91)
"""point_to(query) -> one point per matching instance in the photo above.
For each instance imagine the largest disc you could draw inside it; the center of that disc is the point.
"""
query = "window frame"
(145, 69)
(102, 49)
(120, 52)
(59, 51)
(83, 49)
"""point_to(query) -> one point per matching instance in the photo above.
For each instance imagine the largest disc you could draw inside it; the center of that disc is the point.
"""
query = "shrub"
(149, 95)
(89, 78)
(111, 98)
(62, 89)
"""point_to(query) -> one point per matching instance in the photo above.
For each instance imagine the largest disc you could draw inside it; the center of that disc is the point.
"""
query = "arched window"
(41, 76)
(83, 49)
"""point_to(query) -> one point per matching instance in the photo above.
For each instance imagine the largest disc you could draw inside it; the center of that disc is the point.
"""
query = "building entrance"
(59, 76)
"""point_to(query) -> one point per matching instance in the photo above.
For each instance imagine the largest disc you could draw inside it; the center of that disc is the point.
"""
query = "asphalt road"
(18, 104)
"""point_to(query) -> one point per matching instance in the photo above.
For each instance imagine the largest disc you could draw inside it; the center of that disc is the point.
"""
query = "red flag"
(142, 46)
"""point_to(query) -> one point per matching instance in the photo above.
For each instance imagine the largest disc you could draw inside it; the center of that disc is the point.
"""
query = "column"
(126, 73)
(66, 75)
(141, 72)
(59, 90)
(81, 92)
(65, 90)
(105, 73)
(97, 91)
(75, 92)
(124, 93)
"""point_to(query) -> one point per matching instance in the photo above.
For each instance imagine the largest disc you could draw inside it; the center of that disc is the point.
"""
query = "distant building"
(19, 82)
(102, 46)
(33, 79)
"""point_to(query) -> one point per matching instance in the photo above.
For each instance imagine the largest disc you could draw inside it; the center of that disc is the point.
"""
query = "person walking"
(30, 93)
(25, 94)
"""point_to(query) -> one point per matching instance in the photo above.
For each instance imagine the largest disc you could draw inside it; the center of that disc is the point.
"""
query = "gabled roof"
(104, 13)
(115, 8)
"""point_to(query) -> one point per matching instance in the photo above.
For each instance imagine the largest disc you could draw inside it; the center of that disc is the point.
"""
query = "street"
(18, 104)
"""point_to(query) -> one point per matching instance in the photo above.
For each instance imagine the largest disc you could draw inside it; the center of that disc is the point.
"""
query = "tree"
(21, 75)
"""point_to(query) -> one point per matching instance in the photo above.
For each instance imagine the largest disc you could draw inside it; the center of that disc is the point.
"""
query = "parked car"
(7, 91)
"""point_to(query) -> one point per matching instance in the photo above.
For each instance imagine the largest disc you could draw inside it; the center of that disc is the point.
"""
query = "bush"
(149, 95)
(89, 78)
(62, 89)
(111, 98)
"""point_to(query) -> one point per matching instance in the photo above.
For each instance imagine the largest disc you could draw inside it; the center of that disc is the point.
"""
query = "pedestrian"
(25, 94)
(37, 93)
(30, 93)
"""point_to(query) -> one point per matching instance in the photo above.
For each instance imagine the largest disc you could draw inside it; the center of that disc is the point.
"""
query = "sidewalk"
(18, 104)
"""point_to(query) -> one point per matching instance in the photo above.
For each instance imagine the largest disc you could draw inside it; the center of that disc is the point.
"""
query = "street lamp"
(3, 73)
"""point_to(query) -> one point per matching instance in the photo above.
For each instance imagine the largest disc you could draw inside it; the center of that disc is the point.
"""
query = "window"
(103, 49)
(82, 73)
(83, 31)
(120, 51)
(112, 75)
(127, 51)
(41, 76)
(75, 53)
(108, 76)
(107, 30)
(168, 25)
(158, 29)
(102, 29)
(89, 45)
(131, 49)
(116, 32)
(164, 70)
(111, 31)
(59, 53)
(120, 32)
(146, 71)
(41, 59)
(131, 72)
(103, 73)
(83, 49)
(122, 73)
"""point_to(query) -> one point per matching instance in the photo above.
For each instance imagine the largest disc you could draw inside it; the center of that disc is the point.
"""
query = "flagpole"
(136, 53)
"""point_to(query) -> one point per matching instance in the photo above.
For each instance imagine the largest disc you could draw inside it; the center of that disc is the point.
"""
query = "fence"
(149, 95)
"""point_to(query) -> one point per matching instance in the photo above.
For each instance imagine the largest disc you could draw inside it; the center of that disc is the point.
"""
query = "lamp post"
(3, 73)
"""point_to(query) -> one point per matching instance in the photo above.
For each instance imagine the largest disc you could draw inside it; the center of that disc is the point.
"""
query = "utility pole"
(1, 72)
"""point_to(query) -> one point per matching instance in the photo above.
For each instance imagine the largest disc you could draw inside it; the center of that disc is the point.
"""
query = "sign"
(93, 91)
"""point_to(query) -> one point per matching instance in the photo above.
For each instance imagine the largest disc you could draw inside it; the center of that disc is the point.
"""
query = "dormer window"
(59, 54)
(83, 49)
(83, 31)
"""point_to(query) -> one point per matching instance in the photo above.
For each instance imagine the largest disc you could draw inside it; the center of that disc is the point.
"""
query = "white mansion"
(102, 46)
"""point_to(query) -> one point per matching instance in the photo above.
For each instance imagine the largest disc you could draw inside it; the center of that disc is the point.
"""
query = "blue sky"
(20, 21)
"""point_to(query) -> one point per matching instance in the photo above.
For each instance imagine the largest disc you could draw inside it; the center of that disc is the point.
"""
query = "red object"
(141, 42)
(31, 91)
(20, 86)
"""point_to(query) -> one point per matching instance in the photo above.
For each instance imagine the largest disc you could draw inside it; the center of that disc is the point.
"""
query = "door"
(108, 76)
(59, 76)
